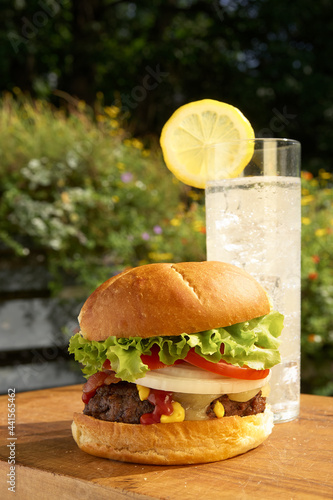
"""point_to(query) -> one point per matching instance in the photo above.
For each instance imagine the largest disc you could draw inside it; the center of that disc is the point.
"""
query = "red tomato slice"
(153, 361)
(224, 368)
(221, 368)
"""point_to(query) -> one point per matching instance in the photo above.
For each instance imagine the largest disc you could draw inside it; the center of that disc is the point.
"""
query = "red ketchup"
(163, 406)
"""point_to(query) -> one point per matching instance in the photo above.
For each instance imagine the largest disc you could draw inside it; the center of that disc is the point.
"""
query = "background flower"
(126, 177)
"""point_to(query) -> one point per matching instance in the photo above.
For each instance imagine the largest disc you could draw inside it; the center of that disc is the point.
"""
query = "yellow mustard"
(178, 414)
(219, 409)
(143, 392)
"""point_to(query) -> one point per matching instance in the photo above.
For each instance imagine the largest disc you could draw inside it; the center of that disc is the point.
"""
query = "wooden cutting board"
(296, 462)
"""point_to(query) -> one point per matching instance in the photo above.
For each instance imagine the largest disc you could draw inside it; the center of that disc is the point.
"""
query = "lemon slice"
(201, 142)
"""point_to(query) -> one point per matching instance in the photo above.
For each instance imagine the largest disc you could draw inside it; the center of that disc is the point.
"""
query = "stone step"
(21, 278)
(37, 322)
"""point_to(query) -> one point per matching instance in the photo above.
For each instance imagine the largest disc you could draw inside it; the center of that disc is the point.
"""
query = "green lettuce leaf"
(253, 343)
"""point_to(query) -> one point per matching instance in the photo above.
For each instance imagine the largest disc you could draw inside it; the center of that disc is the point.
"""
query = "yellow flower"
(193, 195)
(156, 256)
(112, 111)
(145, 153)
(325, 175)
(120, 165)
(307, 199)
(100, 118)
(175, 222)
(115, 199)
(321, 232)
(306, 221)
(197, 226)
(114, 123)
(137, 144)
(305, 192)
(65, 197)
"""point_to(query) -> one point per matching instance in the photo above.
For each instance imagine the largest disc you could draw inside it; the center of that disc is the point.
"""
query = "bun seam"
(186, 281)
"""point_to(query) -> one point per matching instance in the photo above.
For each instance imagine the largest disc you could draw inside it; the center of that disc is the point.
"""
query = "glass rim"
(277, 157)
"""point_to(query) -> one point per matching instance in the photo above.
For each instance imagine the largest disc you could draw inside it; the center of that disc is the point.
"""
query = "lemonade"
(254, 223)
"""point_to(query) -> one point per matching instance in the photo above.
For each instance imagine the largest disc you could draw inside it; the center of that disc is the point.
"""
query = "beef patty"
(118, 403)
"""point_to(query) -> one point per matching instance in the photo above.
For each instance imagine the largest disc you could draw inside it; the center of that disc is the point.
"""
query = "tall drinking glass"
(254, 222)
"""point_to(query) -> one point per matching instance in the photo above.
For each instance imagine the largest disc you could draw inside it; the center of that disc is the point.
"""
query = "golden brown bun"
(188, 442)
(170, 299)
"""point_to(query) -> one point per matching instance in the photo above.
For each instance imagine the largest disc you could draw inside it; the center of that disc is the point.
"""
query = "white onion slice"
(192, 380)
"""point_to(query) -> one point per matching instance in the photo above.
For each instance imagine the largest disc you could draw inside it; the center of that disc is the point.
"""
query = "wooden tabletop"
(296, 462)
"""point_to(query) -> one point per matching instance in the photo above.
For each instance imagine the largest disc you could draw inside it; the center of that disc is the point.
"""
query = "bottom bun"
(188, 442)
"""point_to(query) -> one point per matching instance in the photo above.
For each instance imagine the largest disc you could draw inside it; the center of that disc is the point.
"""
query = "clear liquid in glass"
(255, 223)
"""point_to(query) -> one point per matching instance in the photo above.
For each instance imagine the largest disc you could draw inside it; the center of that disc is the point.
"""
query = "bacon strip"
(106, 377)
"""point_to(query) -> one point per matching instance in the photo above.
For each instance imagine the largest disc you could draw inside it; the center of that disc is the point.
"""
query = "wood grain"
(296, 462)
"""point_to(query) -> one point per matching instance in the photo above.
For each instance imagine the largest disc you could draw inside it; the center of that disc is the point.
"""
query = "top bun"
(171, 299)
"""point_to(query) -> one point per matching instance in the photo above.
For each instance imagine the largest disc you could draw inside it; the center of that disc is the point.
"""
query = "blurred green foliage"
(81, 196)
(317, 283)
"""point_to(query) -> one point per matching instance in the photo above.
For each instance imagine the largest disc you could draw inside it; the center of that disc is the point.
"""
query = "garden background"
(86, 87)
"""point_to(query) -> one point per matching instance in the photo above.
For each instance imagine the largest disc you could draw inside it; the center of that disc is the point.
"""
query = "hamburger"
(177, 359)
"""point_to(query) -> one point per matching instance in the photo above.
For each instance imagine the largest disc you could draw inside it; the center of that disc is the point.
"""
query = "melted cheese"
(241, 397)
(195, 405)
(143, 392)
